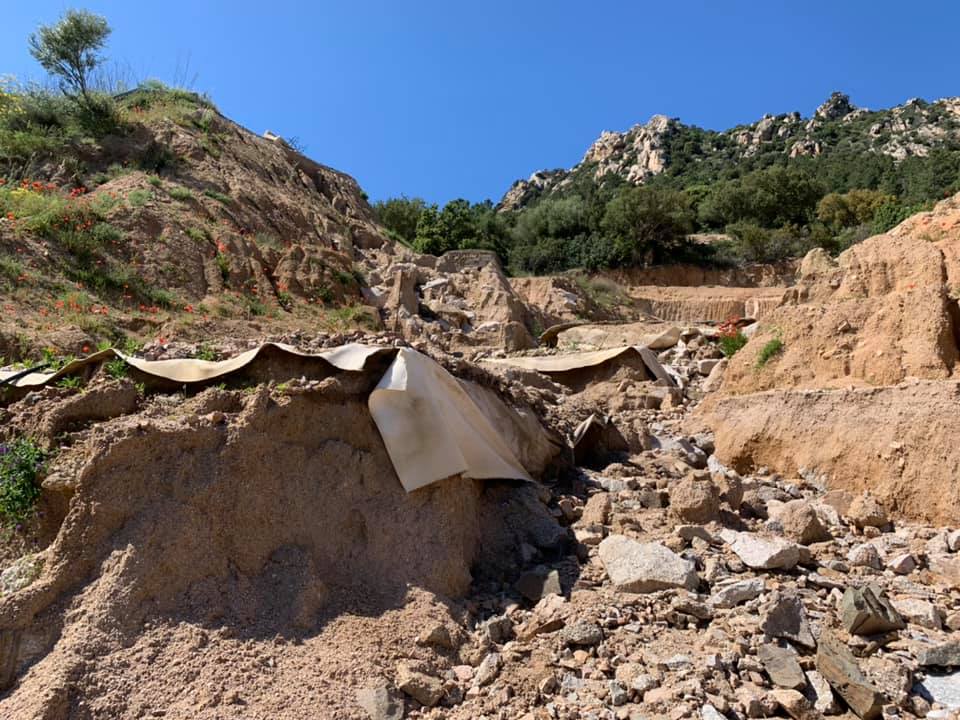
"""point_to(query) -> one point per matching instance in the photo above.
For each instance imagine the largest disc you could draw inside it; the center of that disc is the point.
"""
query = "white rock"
(645, 567)
(919, 612)
(902, 564)
(763, 553)
(732, 594)
(709, 712)
(820, 693)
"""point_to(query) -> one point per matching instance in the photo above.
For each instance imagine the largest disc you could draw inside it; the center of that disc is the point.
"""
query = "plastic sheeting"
(430, 426)
(549, 364)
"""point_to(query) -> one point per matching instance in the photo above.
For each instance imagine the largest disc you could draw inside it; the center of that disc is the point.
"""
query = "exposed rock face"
(869, 344)
(643, 151)
(837, 106)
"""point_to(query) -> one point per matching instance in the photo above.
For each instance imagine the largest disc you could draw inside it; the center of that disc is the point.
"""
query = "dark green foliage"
(731, 343)
(400, 215)
(646, 225)
(770, 204)
(21, 462)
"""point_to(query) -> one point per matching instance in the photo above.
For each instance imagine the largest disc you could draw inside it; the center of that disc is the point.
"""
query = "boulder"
(865, 555)
(695, 500)
(786, 618)
(645, 567)
(795, 704)
(866, 511)
(425, 689)
(734, 593)
(782, 666)
(582, 634)
(488, 670)
(945, 654)
(800, 522)
(380, 702)
(838, 666)
(919, 612)
(763, 553)
(867, 611)
(538, 583)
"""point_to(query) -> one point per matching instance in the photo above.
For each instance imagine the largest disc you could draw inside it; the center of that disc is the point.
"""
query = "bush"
(21, 462)
(218, 196)
(732, 339)
(769, 350)
(180, 193)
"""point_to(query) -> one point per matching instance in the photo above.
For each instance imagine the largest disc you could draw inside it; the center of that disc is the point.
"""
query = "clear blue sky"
(446, 99)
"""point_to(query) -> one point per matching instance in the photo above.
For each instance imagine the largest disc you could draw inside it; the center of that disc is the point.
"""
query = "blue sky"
(458, 99)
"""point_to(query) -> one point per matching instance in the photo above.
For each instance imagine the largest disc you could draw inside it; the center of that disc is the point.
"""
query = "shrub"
(218, 196)
(139, 198)
(116, 368)
(21, 462)
(772, 348)
(180, 193)
(732, 339)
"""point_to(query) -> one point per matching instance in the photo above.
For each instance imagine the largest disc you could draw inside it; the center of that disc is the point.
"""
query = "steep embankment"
(881, 318)
(177, 220)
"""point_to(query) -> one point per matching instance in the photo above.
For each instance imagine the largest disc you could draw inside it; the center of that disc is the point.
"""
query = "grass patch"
(139, 198)
(21, 463)
(255, 306)
(70, 382)
(769, 351)
(205, 352)
(604, 292)
(198, 234)
(223, 264)
(218, 196)
(180, 193)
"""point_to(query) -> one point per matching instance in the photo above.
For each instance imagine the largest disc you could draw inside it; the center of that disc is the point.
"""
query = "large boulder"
(645, 567)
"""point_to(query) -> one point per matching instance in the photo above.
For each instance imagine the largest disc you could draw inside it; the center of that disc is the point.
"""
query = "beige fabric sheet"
(548, 364)
(430, 426)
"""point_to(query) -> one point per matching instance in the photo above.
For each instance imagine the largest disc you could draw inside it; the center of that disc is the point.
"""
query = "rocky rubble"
(692, 591)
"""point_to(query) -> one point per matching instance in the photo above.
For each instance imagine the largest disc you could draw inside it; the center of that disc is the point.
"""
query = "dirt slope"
(879, 318)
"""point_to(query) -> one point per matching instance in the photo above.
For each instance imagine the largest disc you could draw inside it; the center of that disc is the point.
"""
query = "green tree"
(69, 49)
(400, 215)
(646, 225)
(430, 237)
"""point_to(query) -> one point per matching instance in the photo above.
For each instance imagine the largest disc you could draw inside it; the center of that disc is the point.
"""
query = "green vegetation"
(70, 382)
(205, 352)
(21, 462)
(769, 194)
(772, 348)
(732, 343)
(116, 368)
(139, 198)
(180, 193)
(218, 196)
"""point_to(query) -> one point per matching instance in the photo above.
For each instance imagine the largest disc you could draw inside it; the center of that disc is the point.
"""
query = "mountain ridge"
(647, 150)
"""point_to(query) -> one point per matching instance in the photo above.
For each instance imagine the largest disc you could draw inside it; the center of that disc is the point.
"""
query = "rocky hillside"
(667, 147)
(169, 219)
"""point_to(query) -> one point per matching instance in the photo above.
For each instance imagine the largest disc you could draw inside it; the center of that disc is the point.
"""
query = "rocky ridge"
(645, 150)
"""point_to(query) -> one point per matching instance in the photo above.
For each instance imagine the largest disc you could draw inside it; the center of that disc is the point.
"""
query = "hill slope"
(876, 140)
(175, 216)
